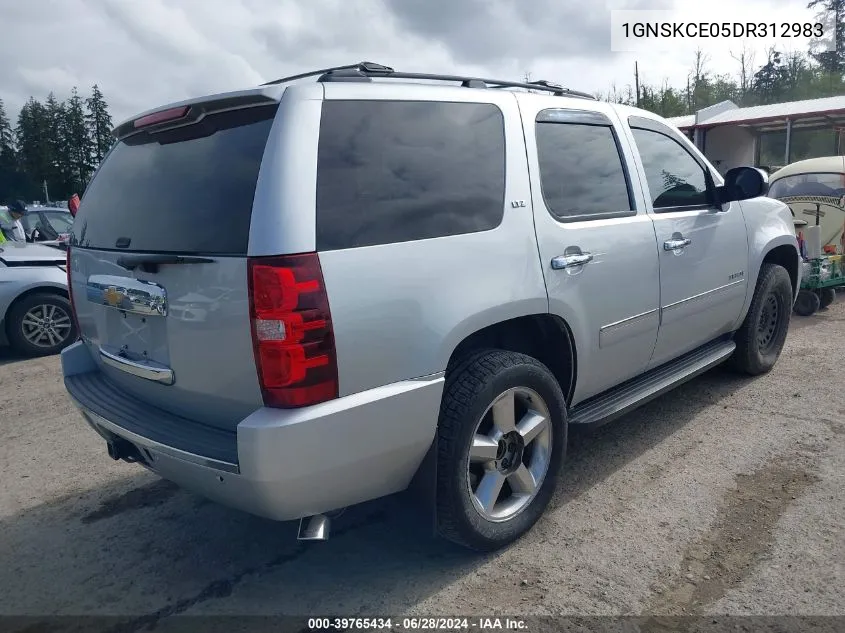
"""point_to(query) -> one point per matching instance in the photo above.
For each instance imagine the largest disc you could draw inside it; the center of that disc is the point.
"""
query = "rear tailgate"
(159, 268)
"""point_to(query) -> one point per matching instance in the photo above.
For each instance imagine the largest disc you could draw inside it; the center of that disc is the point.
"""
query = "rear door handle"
(569, 261)
(141, 369)
(675, 244)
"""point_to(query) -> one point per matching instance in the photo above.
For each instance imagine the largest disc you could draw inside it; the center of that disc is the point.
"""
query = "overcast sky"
(144, 53)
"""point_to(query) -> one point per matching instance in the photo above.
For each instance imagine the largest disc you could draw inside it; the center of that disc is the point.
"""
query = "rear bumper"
(290, 463)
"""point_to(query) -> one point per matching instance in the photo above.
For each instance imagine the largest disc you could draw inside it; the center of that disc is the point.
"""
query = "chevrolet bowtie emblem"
(113, 297)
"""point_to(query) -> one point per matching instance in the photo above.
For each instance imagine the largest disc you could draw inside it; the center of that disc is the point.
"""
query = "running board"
(636, 392)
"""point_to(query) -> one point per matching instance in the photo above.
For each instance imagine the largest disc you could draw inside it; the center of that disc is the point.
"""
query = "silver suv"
(314, 293)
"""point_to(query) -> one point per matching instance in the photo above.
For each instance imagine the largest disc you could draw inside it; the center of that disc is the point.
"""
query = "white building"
(770, 135)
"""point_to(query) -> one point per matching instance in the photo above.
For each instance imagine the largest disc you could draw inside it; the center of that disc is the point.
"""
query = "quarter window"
(396, 171)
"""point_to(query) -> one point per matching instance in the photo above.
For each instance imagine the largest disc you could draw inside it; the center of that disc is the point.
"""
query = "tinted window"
(187, 190)
(675, 179)
(61, 222)
(581, 171)
(832, 185)
(29, 221)
(397, 171)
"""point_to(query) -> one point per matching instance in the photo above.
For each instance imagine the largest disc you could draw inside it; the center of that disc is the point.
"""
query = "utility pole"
(46, 194)
(637, 82)
(689, 97)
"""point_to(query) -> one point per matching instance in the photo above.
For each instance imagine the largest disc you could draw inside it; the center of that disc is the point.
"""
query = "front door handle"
(676, 243)
(569, 261)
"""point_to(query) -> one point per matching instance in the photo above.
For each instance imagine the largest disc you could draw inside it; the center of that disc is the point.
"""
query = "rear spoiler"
(193, 110)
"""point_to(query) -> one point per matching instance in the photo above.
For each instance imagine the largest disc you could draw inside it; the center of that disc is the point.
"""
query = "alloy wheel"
(510, 454)
(46, 325)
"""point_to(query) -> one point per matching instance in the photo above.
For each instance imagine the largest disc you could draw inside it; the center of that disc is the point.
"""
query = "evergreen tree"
(33, 147)
(7, 140)
(10, 186)
(79, 143)
(770, 81)
(99, 124)
(832, 61)
(56, 141)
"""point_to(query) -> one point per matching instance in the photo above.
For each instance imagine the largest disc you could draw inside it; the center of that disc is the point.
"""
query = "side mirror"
(743, 183)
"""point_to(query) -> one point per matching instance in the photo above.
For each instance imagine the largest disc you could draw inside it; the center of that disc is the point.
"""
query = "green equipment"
(819, 282)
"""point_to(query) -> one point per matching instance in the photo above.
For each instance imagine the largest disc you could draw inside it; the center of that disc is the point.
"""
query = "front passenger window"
(675, 179)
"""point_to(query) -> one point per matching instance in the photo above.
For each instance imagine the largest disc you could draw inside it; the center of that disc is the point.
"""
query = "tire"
(472, 387)
(826, 297)
(25, 314)
(760, 339)
(807, 303)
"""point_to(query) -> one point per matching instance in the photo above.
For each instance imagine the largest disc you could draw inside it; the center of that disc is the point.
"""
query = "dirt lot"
(726, 496)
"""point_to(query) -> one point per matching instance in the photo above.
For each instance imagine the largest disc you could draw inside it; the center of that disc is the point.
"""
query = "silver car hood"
(23, 254)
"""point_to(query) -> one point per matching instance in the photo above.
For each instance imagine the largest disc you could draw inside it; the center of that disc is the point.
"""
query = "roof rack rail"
(366, 71)
(542, 84)
(368, 67)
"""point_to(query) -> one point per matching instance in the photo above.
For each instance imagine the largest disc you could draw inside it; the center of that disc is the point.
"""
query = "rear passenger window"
(395, 171)
(581, 171)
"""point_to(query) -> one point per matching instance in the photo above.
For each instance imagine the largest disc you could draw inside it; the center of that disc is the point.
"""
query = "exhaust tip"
(314, 528)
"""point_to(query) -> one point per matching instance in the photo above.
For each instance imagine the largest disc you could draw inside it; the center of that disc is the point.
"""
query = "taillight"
(160, 117)
(292, 331)
(70, 291)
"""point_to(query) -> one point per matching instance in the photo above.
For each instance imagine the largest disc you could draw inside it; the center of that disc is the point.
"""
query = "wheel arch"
(546, 337)
(785, 255)
(543, 336)
(781, 250)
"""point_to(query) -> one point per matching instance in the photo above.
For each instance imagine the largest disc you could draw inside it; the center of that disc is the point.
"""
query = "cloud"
(492, 31)
(144, 53)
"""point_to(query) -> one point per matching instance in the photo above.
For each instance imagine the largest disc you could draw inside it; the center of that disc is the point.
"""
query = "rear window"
(185, 190)
(395, 171)
(822, 184)
(61, 222)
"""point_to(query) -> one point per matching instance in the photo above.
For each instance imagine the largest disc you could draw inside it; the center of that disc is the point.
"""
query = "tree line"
(792, 76)
(54, 147)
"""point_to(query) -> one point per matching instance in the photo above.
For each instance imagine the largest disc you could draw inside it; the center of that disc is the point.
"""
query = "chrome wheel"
(46, 325)
(510, 454)
(767, 326)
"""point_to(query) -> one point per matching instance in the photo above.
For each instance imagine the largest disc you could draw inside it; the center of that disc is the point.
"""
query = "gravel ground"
(723, 497)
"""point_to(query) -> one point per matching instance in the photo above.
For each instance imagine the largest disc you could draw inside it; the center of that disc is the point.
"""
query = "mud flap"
(422, 490)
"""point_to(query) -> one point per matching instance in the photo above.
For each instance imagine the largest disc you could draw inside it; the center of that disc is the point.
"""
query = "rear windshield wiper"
(150, 263)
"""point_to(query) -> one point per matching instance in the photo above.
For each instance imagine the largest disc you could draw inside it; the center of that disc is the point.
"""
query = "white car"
(814, 186)
(35, 314)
